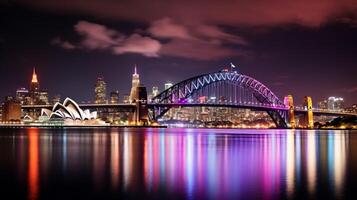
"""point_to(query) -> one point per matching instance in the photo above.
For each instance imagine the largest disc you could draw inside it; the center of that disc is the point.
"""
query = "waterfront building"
(69, 113)
(114, 97)
(134, 84)
(11, 110)
(100, 91)
(335, 103)
(21, 95)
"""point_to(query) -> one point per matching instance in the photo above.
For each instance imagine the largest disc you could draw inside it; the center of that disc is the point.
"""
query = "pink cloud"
(138, 44)
(96, 36)
(204, 42)
(62, 43)
(100, 37)
(166, 28)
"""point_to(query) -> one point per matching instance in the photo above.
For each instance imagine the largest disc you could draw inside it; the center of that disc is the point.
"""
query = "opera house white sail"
(70, 113)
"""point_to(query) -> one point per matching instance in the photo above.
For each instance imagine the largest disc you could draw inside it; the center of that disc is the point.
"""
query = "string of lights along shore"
(209, 100)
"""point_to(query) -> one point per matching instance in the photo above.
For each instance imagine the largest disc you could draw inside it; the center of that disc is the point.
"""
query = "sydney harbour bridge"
(229, 88)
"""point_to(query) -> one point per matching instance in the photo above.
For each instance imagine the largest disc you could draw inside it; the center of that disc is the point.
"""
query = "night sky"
(304, 47)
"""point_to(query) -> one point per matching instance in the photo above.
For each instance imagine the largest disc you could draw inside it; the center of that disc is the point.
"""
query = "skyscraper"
(100, 91)
(34, 88)
(134, 84)
(335, 103)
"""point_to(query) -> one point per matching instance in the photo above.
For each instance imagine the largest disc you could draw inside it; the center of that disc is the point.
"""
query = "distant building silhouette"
(114, 97)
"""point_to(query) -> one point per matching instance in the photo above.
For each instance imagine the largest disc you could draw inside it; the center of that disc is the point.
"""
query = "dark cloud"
(200, 50)
(310, 13)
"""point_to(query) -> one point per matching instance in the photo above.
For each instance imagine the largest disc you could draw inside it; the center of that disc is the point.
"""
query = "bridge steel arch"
(188, 87)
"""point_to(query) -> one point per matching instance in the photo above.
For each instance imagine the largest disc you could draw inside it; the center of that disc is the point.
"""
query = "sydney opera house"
(69, 113)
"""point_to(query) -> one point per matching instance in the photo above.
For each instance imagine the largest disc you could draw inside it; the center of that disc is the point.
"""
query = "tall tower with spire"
(134, 84)
(34, 87)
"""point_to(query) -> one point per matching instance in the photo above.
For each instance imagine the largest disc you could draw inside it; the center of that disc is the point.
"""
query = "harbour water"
(149, 163)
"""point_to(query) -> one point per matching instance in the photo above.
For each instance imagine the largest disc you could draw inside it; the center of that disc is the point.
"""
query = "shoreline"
(24, 126)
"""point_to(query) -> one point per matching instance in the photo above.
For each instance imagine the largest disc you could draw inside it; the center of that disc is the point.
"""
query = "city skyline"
(100, 88)
(295, 55)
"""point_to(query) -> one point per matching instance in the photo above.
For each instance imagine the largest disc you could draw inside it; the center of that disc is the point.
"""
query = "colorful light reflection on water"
(177, 164)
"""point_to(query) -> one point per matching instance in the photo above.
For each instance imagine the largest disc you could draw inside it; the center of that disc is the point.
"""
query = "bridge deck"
(258, 107)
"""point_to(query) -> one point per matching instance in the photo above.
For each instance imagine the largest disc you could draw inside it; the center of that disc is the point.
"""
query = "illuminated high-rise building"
(335, 103)
(34, 88)
(134, 84)
(100, 91)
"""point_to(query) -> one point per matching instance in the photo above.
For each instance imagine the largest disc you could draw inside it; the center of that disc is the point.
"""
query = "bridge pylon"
(288, 101)
(309, 116)
(140, 115)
